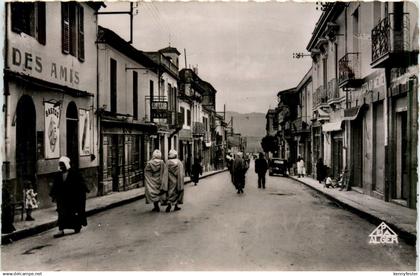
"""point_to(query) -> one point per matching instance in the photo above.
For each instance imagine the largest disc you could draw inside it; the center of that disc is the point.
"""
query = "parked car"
(277, 166)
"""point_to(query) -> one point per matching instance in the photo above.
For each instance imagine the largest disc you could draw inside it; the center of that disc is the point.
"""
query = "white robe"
(156, 180)
(175, 181)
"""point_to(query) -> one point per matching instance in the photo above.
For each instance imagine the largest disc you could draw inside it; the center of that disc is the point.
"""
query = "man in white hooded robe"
(175, 193)
(156, 180)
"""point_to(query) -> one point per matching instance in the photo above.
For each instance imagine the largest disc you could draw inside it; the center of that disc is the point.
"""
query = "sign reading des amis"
(160, 109)
(26, 62)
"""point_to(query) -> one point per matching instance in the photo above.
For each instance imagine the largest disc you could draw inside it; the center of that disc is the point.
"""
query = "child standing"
(30, 201)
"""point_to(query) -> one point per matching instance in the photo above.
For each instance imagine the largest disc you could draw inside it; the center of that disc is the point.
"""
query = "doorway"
(402, 186)
(357, 152)
(72, 134)
(25, 143)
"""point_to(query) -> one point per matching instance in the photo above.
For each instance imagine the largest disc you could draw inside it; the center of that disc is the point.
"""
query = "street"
(287, 226)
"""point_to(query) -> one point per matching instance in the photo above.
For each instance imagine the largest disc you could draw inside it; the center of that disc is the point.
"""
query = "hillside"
(250, 125)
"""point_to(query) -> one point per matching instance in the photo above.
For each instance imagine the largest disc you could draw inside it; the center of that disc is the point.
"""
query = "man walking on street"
(175, 181)
(261, 167)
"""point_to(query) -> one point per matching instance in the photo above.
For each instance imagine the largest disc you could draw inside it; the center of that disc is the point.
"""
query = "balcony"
(320, 96)
(349, 73)
(333, 93)
(391, 42)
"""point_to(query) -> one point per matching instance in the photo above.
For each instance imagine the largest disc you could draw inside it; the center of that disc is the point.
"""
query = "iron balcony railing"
(332, 90)
(348, 68)
(391, 35)
(320, 96)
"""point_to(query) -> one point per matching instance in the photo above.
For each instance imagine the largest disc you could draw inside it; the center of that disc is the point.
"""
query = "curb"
(410, 238)
(24, 233)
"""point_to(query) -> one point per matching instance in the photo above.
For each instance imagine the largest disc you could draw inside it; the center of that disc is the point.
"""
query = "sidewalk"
(46, 219)
(401, 219)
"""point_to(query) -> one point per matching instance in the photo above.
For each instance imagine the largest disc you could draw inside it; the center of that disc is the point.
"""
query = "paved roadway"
(287, 226)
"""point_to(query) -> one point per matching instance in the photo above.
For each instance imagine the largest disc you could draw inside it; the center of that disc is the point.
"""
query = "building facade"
(364, 79)
(49, 94)
(124, 76)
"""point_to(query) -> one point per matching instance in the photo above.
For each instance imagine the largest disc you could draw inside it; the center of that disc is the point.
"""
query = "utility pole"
(130, 13)
(185, 58)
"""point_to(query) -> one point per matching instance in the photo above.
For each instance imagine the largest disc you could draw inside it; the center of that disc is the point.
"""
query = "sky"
(244, 49)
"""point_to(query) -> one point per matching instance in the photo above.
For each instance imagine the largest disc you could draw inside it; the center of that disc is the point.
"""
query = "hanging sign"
(52, 131)
(84, 132)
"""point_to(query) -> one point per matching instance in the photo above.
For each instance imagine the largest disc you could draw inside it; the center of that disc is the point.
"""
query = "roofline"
(286, 91)
(119, 44)
(305, 79)
(322, 21)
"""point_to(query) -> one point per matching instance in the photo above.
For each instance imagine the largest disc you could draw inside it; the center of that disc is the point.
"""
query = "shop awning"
(352, 113)
(335, 126)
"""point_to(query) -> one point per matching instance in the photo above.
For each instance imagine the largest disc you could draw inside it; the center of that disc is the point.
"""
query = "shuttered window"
(41, 24)
(73, 36)
(113, 84)
(29, 18)
(135, 96)
(81, 34)
(65, 27)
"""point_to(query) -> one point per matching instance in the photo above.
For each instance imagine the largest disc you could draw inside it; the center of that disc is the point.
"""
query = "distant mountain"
(250, 125)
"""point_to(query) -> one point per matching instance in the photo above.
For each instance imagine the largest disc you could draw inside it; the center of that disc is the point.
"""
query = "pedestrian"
(196, 171)
(31, 202)
(175, 181)
(156, 180)
(329, 182)
(301, 167)
(321, 172)
(69, 192)
(188, 166)
(239, 170)
(261, 167)
(229, 164)
(344, 179)
(6, 211)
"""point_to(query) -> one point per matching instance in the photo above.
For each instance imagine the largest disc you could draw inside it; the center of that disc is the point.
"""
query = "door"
(379, 148)
(114, 163)
(357, 152)
(337, 156)
(72, 134)
(402, 168)
(25, 143)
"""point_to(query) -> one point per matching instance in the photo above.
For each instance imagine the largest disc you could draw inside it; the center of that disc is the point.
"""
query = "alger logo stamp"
(383, 234)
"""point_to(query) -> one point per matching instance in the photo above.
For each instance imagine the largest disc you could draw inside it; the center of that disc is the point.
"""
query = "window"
(113, 84)
(135, 96)
(205, 122)
(29, 18)
(182, 110)
(72, 29)
(151, 84)
(170, 97)
(188, 117)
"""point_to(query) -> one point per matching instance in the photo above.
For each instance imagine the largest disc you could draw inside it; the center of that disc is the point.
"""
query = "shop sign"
(160, 109)
(84, 132)
(52, 131)
(43, 67)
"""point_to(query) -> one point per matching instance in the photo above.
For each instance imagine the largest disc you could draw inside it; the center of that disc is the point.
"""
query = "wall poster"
(52, 131)
(84, 132)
